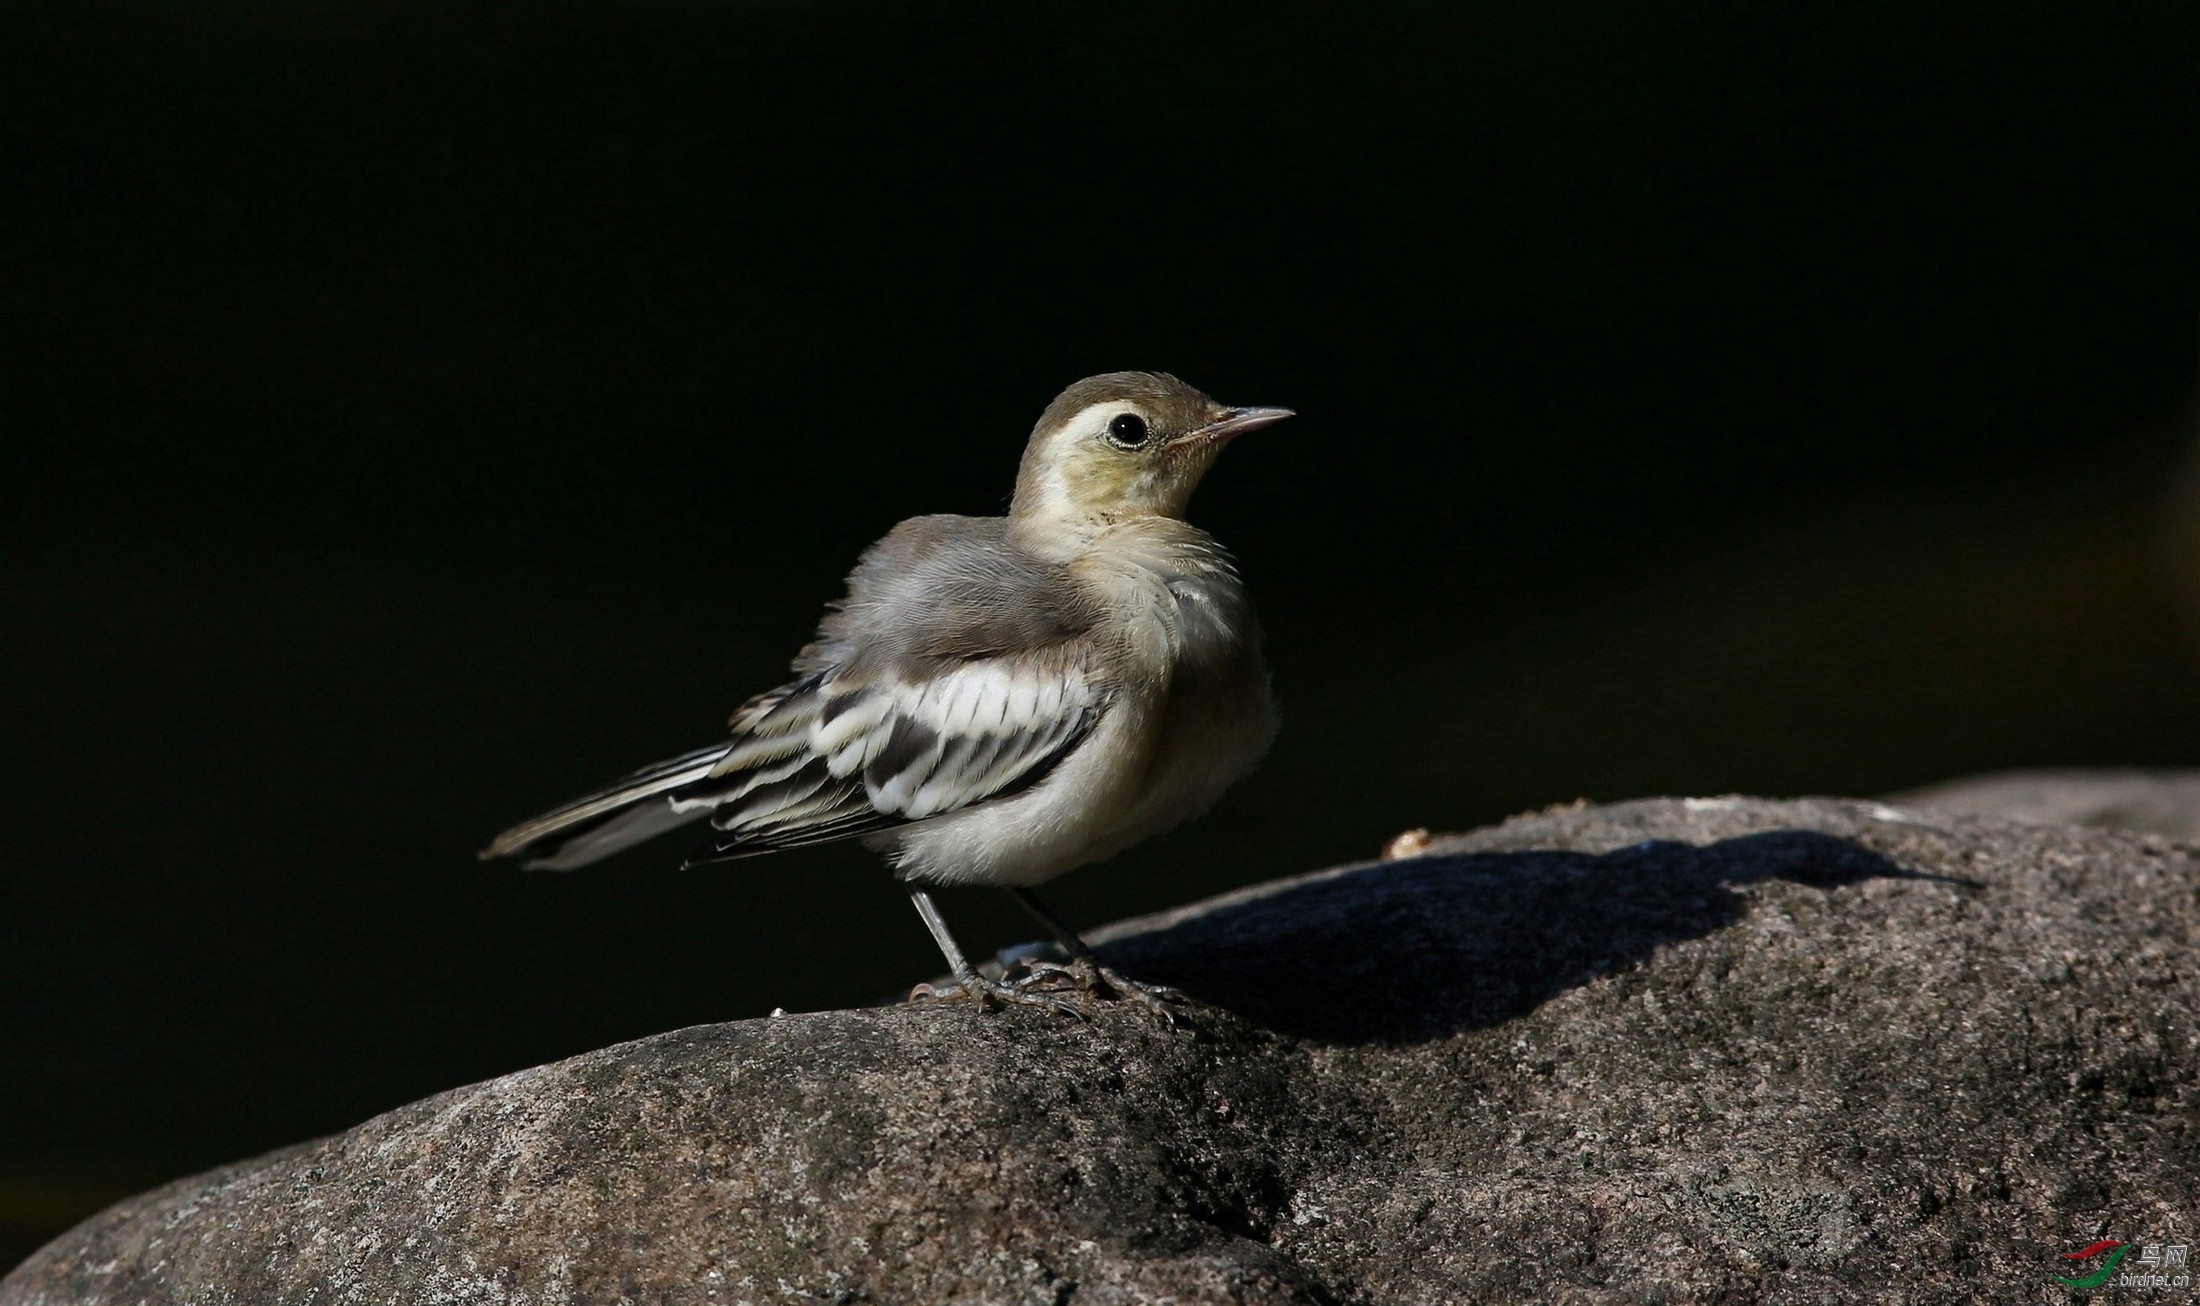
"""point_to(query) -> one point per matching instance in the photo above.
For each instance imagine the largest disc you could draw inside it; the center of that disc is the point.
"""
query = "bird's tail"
(617, 816)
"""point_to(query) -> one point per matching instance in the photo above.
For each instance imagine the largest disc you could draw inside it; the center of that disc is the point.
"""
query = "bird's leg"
(1086, 967)
(967, 979)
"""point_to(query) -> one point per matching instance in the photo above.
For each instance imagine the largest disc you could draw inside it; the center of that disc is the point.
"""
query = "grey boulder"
(2155, 802)
(1662, 1051)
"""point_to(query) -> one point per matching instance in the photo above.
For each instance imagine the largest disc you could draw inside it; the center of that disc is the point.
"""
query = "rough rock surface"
(2154, 802)
(1663, 1051)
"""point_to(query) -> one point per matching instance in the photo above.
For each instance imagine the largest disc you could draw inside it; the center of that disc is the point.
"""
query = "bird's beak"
(1237, 421)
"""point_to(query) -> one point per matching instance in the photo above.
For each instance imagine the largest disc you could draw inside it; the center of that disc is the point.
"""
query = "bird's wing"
(956, 669)
(841, 752)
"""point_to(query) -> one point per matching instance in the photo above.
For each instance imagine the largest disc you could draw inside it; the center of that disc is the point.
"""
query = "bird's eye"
(1128, 430)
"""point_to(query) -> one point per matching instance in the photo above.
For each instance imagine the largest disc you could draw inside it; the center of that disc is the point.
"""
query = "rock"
(1662, 1051)
(2155, 802)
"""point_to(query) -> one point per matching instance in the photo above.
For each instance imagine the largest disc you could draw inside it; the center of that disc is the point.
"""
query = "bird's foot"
(1101, 983)
(989, 993)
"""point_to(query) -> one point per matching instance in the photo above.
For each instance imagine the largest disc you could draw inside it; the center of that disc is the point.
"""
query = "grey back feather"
(944, 589)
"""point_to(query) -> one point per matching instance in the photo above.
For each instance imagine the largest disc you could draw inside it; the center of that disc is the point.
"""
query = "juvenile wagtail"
(998, 699)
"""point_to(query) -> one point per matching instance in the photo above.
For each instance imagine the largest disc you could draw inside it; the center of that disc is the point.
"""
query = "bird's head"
(1125, 445)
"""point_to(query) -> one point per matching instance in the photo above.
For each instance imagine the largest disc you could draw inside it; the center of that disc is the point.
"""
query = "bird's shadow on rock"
(1436, 945)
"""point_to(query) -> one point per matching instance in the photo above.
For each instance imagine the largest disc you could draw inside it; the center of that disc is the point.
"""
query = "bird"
(995, 700)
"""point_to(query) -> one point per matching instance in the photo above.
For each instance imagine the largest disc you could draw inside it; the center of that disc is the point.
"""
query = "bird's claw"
(992, 992)
(1034, 983)
(1101, 982)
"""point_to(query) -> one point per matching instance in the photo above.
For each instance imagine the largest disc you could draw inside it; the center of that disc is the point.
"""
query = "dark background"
(413, 414)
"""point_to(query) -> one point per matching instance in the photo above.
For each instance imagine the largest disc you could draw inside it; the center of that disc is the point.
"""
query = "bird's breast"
(1194, 701)
(1173, 600)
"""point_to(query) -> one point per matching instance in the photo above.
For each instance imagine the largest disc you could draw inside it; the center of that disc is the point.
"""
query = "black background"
(414, 414)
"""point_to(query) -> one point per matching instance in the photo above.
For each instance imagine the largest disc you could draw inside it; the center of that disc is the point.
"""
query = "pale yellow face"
(1125, 445)
(1119, 459)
